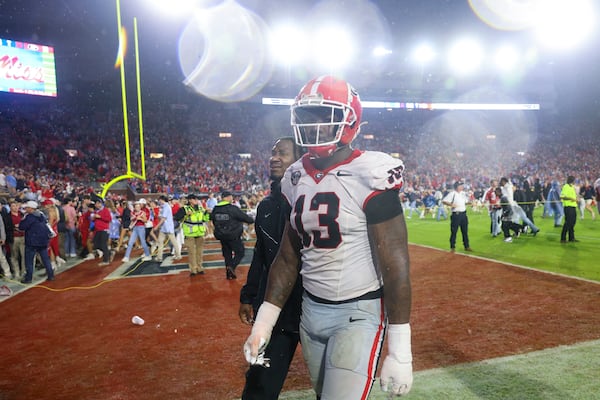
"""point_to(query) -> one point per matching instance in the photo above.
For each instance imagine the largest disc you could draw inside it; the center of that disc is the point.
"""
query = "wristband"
(267, 316)
(399, 342)
(254, 348)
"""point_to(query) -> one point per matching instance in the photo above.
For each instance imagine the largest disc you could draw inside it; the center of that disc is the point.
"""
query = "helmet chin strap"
(338, 148)
(341, 147)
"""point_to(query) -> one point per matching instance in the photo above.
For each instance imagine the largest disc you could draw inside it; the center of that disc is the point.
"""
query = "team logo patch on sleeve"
(395, 175)
(295, 177)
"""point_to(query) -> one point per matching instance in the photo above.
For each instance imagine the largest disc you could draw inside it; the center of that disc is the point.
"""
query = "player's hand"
(254, 348)
(396, 377)
(396, 372)
(246, 314)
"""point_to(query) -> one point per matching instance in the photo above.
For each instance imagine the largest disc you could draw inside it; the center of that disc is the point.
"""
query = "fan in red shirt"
(494, 208)
(102, 218)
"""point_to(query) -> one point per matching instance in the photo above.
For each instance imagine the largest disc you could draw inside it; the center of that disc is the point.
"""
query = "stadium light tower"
(381, 51)
(465, 56)
(506, 58)
(333, 47)
(175, 7)
(288, 45)
(423, 54)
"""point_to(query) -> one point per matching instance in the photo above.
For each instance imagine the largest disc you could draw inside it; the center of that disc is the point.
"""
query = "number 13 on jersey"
(322, 228)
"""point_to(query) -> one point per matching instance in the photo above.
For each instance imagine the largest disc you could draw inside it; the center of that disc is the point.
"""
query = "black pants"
(233, 252)
(266, 383)
(569, 226)
(459, 220)
(101, 243)
(507, 226)
(528, 208)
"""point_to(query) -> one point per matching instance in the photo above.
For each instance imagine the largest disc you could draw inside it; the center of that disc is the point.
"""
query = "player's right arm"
(282, 278)
(284, 269)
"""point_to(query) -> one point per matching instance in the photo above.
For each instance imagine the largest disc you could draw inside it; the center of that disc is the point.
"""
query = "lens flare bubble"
(368, 27)
(511, 15)
(223, 53)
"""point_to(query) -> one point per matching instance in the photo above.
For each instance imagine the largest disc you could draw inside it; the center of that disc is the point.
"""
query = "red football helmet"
(326, 115)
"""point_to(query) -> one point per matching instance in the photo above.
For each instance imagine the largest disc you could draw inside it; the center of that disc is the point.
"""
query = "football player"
(347, 229)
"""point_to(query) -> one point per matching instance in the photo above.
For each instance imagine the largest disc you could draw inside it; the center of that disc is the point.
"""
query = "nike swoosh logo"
(267, 215)
(342, 173)
(355, 319)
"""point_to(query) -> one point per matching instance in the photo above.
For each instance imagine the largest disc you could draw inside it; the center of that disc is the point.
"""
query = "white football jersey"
(328, 213)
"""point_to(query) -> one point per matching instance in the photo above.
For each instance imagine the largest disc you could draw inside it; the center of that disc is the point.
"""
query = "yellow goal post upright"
(120, 61)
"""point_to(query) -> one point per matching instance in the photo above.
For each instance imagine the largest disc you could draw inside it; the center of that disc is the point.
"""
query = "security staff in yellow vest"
(568, 195)
(193, 219)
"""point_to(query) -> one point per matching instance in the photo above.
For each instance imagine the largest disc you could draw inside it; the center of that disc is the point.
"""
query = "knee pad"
(348, 347)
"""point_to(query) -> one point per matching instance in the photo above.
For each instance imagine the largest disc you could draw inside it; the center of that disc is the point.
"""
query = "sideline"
(39, 278)
(39, 275)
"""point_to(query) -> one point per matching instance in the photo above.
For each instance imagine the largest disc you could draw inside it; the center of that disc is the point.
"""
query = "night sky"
(85, 36)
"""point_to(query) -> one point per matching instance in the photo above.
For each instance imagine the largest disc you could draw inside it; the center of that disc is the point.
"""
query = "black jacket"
(228, 221)
(271, 216)
(36, 231)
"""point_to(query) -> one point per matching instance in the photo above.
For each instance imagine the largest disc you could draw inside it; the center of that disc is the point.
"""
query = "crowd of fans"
(61, 157)
(212, 147)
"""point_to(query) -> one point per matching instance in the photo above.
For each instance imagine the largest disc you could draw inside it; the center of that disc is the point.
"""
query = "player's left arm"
(389, 245)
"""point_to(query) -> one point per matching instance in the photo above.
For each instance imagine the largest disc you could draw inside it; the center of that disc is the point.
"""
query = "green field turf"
(560, 373)
(544, 252)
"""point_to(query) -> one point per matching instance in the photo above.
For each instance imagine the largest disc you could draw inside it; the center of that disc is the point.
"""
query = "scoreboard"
(27, 68)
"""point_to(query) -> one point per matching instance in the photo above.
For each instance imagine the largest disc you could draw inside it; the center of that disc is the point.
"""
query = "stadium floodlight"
(565, 24)
(288, 45)
(381, 51)
(465, 56)
(423, 54)
(506, 58)
(334, 47)
(175, 7)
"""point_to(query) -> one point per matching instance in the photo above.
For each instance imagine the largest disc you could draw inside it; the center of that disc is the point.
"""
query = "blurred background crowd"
(213, 147)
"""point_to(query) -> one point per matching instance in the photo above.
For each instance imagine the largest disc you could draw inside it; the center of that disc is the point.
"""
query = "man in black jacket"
(266, 383)
(228, 221)
(36, 240)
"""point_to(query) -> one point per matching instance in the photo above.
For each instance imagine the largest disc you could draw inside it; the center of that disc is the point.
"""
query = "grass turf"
(543, 252)
(565, 372)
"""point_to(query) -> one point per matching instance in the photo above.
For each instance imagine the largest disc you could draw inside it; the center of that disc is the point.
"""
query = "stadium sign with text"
(27, 68)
